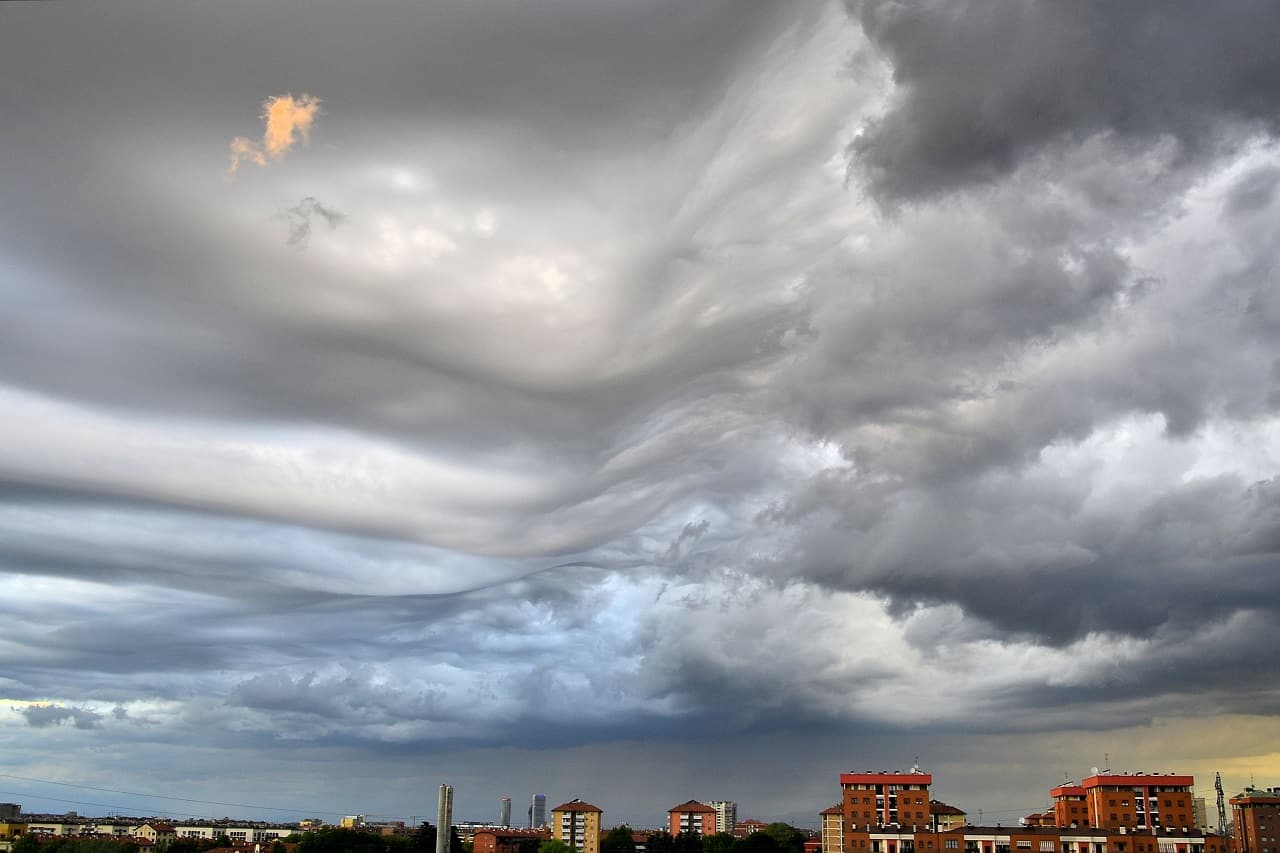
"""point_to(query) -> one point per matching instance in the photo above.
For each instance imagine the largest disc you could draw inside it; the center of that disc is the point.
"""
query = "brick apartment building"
(891, 812)
(1132, 801)
(1256, 815)
(692, 816)
(505, 840)
(1022, 839)
(886, 798)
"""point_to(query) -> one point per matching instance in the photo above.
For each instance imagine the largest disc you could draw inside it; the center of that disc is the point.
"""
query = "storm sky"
(635, 401)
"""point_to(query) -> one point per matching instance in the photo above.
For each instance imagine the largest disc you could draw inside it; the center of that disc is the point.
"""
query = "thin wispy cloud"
(300, 216)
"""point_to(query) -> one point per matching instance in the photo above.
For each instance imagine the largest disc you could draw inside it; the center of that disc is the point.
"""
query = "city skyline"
(635, 401)
(1053, 804)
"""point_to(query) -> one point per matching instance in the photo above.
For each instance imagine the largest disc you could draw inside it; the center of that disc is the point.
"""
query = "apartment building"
(832, 829)
(884, 798)
(691, 816)
(1139, 800)
(156, 833)
(946, 816)
(1070, 806)
(1255, 814)
(577, 824)
(1021, 839)
(726, 815)
(503, 840)
(11, 830)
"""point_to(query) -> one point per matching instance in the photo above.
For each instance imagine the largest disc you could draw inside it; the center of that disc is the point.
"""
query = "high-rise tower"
(538, 811)
(444, 818)
(726, 815)
(504, 812)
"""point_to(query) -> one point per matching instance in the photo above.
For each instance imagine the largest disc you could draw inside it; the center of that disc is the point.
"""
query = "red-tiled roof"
(938, 807)
(836, 809)
(691, 806)
(577, 806)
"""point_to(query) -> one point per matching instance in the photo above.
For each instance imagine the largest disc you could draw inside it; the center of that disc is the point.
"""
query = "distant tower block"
(444, 818)
(538, 811)
(726, 814)
(504, 812)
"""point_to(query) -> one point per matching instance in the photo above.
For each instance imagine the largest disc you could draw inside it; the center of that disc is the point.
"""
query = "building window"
(1046, 846)
(952, 844)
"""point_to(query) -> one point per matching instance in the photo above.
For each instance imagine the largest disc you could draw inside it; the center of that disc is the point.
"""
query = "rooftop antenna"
(1106, 761)
(915, 764)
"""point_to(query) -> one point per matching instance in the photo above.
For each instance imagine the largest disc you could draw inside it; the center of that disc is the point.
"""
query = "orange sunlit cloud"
(287, 119)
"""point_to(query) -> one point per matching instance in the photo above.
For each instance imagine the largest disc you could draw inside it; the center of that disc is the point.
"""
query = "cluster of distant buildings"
(878, 812)
(579, 824)
(146, 834)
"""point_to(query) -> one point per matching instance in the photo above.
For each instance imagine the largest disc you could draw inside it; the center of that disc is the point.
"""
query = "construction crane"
(1222, 804)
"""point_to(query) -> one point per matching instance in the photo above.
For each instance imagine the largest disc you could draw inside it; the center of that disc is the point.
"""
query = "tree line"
(775, 838)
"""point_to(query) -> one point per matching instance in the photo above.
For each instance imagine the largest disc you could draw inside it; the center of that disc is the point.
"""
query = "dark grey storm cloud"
(980, 87)
(681, 376)
(41, 716)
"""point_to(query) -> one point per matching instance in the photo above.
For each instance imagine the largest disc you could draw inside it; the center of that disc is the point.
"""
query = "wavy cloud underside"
(745, 372)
